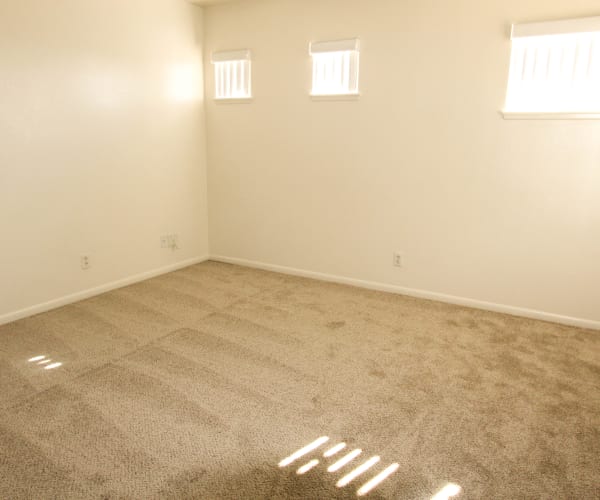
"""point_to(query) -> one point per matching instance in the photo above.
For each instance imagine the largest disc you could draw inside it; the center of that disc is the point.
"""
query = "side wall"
(102, 145)
(501, 212)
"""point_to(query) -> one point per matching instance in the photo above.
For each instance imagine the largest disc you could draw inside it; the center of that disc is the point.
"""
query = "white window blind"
(555, 67)
(335, 67)
(232, 74)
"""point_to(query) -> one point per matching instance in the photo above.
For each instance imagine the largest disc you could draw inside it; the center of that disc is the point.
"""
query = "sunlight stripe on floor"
(306, 467)
(447, 492)
(379, 478)
(303, 451)
(344, 460)
(332, 451)
(361, 469)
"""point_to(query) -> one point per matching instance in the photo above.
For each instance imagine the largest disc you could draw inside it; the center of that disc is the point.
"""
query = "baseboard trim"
(91, 292)
(412, 292)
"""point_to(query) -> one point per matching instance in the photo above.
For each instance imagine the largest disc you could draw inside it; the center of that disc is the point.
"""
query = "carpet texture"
(196, 384)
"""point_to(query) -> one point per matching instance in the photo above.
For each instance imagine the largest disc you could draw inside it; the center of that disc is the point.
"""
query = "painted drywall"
(102, 145)
(502, 212)
(212, 2)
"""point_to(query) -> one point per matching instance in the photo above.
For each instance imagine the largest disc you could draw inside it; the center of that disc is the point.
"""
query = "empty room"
(300, 249)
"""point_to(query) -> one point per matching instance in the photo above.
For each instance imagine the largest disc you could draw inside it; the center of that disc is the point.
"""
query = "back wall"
(505, 212)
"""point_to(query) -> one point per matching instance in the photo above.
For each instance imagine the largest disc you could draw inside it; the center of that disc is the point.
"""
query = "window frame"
(232, 58)
(347, 53)
(542, 36)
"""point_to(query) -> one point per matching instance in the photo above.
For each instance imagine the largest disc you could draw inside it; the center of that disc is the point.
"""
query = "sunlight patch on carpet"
(361, 469)
(447, 492)
(336, 449)
(377, 480)
(303, 451)
(346, 459)
(341, 463)
(306, 467)
(47, 363)
(52, 366)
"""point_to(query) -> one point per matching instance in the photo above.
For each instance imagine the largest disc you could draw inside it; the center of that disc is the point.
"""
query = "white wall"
(501, 211)
(102, 145)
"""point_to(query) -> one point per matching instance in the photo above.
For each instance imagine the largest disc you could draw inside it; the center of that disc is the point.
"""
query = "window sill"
(335, 97)
(512, 115)
(235, 100)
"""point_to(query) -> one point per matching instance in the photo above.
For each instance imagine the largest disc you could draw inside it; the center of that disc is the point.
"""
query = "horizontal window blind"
(335, 67)
(554, 70)
(232, 74)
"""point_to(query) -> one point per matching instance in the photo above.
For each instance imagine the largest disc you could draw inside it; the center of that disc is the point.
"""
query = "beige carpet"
(198, 383)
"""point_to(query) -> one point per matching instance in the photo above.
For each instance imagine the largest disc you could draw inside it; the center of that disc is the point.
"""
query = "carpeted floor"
(198, 383)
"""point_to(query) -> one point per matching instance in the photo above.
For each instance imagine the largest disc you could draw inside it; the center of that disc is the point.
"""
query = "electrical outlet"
(170, 241)
(85, 262)
(173, 242)
(397, 259)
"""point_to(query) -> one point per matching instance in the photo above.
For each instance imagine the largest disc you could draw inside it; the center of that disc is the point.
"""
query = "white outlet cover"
(397, 259)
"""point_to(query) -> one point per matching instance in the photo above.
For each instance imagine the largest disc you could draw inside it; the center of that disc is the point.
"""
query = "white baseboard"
(91, 292)
(412, 292)
(423, 294)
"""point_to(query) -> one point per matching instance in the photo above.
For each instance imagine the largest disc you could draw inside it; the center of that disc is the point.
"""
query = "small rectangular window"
(335, 67)
(232, 74)
(555, 69)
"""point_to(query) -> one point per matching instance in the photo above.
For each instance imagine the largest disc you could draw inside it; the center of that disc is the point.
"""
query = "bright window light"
(555, 68)
(184, 83)
(335, 67)
(232, 74)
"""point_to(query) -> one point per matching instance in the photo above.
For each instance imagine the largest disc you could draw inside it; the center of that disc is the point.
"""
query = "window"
(232, 74)
(555, 70)
(335, 68)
